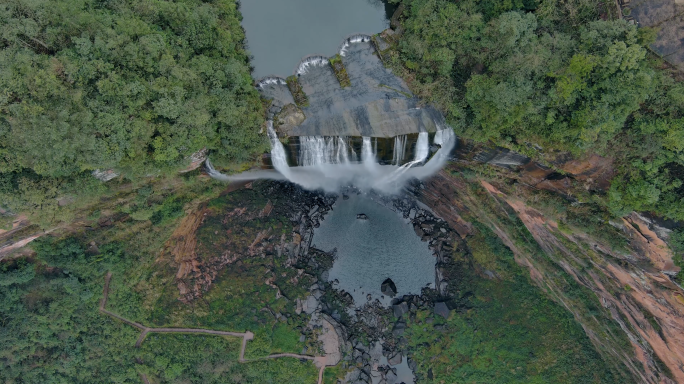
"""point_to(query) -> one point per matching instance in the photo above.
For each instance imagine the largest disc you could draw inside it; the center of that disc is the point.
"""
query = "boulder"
(309, 306)
(361, 216)
(391, 376)
(394, 360)
(400, 309)
(442, 309)
(398, 328)
(388, 288)
(411, 363)
(288, 118)
(105, 175)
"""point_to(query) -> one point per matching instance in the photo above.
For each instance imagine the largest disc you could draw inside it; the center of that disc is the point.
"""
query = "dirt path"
(246, 336)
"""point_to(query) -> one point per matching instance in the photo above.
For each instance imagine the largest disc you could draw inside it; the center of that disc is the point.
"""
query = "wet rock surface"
(365, 337)
(377, 103)
(388, 288)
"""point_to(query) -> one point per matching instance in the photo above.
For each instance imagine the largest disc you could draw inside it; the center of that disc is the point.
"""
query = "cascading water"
(316, 150)
(399, 149)
(278, 156)
(329, 163)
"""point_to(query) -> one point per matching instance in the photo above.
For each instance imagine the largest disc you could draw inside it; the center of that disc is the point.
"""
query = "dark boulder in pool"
(388, 288)
(361, 216)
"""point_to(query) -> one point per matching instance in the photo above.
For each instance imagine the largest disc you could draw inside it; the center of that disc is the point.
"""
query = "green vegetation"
(297, 93)
(51, 330)
(340, 71)
(553, 74)
(503, 330)
(676, 243)
(136, 86)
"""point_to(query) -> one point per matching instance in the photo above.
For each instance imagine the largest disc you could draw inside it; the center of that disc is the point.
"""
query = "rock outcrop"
(289, 117)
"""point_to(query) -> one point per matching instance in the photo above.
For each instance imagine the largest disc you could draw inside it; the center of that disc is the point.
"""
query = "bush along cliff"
(552, 79)
(134, 86)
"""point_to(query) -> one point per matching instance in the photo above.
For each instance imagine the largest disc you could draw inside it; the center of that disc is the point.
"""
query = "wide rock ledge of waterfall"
(377, 104)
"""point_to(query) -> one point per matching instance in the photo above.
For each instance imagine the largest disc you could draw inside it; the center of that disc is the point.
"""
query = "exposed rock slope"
(632, 283)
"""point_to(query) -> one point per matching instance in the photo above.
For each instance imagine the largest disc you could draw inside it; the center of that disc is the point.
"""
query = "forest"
(136, 86)
(549, 76)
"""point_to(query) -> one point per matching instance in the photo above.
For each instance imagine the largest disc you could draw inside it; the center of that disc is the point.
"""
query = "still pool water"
(281, 32)
(369, 251)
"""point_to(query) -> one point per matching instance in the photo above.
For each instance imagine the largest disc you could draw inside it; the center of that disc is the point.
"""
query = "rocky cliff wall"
(639, 319)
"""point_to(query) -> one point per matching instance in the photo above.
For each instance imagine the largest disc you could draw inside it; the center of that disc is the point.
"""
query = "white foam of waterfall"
(342, 151)
(312, 61)
(316, 150)
(353, 40)
(278, 156)
(325, 167)
(270, 80)
(438, 137)
(244, 176)
(421, 153)
(399, 150)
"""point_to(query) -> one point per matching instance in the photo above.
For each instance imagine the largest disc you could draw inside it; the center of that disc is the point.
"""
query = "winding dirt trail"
(319, 361)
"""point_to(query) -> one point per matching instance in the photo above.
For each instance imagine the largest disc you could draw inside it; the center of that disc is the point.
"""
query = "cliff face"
(613, 279)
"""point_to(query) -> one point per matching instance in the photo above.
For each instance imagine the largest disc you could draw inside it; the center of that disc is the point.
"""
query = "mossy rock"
(340, 71)
(288, 118)
(383, 42)
(297, 91)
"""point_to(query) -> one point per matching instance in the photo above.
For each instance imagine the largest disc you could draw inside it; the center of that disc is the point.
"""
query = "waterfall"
(311, 61)
(438, 137)
(278, 156)
(317, 150)
(342, 151)
(367, 155)
(353, 40)
(330, 163)
(399, 150)
(269, 80)
(422, 147)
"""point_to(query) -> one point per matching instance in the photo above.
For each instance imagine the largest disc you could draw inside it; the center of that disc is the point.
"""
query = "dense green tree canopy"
(125, 84)
(554, 74)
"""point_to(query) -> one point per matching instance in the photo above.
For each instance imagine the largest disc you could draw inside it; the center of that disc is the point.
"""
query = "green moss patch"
(340, 71)
(297, 92)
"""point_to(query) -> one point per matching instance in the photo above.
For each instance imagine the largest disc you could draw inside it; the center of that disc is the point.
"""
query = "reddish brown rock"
(595, 172)
(641, 298)
(533, 173)
(561, 185)
(442, 198)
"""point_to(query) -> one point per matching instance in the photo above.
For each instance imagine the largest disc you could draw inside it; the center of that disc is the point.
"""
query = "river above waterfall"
(372, 250)
(281, 32)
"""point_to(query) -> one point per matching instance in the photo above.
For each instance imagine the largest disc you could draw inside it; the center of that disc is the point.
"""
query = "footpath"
(319, 361)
